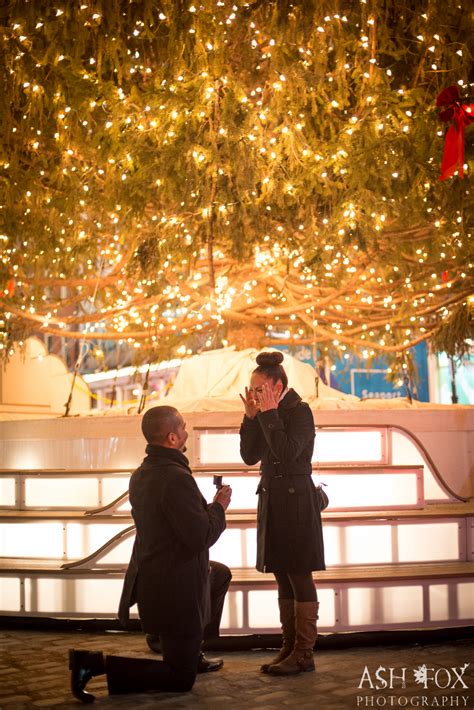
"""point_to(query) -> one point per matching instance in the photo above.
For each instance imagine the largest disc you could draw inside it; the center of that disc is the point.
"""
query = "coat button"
(291, 490)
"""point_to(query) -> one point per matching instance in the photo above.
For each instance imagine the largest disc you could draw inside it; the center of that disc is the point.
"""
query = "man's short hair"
(158, 422)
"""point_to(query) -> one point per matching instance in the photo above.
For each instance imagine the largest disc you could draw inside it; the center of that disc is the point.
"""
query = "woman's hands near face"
(260, 399)
(267, 398)
(250, 404)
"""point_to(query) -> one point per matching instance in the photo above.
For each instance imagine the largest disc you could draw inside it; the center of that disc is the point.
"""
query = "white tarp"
(219, 376)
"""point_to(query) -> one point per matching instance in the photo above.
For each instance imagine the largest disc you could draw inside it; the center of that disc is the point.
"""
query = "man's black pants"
(220, 577)
(177, 671)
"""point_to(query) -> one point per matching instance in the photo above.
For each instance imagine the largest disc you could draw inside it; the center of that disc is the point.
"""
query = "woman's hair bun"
(269, 359)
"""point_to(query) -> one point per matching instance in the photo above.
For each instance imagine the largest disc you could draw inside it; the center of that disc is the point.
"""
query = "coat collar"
(290, 400)
(164, 455)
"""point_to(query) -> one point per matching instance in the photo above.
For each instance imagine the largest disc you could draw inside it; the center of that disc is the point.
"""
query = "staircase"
(399, 543)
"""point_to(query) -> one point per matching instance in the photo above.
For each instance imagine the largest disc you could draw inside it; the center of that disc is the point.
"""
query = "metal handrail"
(106, 547)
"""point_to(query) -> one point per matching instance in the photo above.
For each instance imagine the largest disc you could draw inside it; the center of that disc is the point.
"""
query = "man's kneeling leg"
(181, 654)
(175, 673)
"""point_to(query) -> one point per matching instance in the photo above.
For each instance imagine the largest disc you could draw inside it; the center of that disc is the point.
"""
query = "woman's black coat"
(168, 574)
(289, 531)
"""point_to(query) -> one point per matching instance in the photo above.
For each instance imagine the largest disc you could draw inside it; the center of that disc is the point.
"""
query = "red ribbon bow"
(460, 115)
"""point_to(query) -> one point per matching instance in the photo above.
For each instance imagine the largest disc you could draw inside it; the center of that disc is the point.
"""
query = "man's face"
(179, 436)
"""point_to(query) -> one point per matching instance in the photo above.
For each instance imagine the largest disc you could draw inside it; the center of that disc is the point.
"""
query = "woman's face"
(258, 380)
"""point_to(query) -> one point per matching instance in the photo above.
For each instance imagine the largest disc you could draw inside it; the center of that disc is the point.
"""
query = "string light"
(170, 258)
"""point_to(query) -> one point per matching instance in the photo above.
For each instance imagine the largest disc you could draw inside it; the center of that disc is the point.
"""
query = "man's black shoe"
(84, 665)
(153, 641)
(205, 665)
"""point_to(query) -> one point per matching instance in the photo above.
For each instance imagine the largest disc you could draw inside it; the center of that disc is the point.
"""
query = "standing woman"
(278, 431)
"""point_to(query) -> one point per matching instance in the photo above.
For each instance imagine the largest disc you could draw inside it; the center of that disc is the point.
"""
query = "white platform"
(395, 559)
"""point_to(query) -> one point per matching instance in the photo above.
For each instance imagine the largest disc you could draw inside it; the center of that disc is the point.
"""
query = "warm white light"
(343, 446)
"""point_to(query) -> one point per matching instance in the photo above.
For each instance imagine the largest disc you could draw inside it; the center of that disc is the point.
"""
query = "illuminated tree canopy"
(174, 172)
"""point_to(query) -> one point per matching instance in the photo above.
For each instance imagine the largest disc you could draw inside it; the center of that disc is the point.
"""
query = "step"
(443, 510)
(66, 515)
(350, 486)
(364, 573)
(247, 518)
(352, 599)
(251, 577)
(232, 469)
(442, 533)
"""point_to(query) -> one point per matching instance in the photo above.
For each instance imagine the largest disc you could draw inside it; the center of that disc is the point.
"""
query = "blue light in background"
(354, 376)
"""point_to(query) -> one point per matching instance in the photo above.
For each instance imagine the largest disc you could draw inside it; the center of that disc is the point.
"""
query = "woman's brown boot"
(300, 660)
(287, 619)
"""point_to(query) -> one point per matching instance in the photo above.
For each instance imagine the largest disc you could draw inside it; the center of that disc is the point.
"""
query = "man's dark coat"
(168, 574)
(289, 531)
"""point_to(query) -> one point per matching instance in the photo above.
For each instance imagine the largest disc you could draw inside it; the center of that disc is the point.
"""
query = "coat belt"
(283, 475)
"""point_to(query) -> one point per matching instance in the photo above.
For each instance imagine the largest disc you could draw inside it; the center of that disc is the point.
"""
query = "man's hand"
(251, 406)
(267, 398)
(223, 496)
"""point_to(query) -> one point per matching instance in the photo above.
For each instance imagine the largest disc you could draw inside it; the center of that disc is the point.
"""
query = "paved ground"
(33, 674)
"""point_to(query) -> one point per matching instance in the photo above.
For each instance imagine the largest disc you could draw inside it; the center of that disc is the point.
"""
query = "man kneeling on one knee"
(179, 593)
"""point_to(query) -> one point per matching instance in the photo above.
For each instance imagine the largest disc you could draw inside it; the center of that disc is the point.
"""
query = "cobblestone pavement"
(34, 674)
